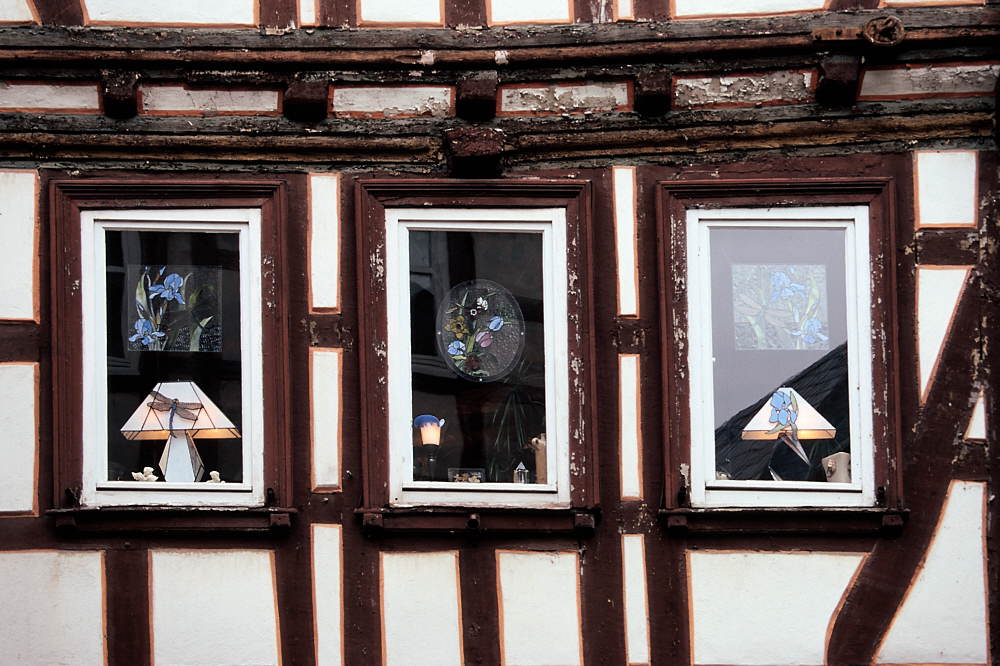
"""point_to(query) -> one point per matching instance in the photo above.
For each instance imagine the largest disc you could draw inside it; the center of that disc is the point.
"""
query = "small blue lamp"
(429, 427)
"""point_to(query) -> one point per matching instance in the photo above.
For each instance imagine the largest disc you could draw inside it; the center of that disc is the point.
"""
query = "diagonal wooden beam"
(60, 12)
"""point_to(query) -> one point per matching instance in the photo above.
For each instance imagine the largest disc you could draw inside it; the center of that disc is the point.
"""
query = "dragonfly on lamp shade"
(162, 403)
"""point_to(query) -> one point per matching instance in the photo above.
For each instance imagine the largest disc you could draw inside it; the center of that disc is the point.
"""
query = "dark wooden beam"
(474, 152)
(465, 12)
(59, 12)
(120, 94)
(277, 13)
(838, 80)
(306, 100)
(476, 99)
(653, 91)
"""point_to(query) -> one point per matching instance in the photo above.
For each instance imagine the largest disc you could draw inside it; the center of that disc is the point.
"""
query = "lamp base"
(180, 461)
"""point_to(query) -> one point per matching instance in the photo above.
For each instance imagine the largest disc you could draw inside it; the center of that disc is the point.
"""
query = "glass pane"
(478, 357)
(174, 363)
(779, 347)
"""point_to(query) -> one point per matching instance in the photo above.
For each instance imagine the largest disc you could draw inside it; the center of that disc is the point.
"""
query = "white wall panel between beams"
(49, 97)
(626, 240)
(308, 12)
(16, 11)
(19, 440)
(636, 598)
(559, 98)
(629, 426)
(325, 373)
(53, 610)
(421, 609)
(938, 292)
(324, 241)
(539, 598)
(177, 12)
(530, 11)
(210, 607)
(689, 8)
(943, 618)
(401, 11)
(928, 81)
(977, 422)
(765, 607)
(19, 221)
(744, 89)
(393, 101)
(181, 100)
(624, 10)
(947, 182)
(328, 606)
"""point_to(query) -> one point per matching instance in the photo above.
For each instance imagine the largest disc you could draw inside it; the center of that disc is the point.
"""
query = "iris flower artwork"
(480, 330)
(780, 306)
(176, 309)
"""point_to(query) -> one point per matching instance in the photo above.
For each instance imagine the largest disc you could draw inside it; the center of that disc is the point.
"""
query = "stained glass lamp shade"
(181, 413)
(780, 414)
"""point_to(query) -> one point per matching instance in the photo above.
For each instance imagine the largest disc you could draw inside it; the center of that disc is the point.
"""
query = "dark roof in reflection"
(824, 385)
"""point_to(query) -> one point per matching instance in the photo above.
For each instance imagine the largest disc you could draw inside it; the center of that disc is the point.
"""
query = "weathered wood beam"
(277, 13)
(838, 80)
(59, 12)
(306, 100)
(653, 91)
(120, 94)
(474, 152)
(476, 99)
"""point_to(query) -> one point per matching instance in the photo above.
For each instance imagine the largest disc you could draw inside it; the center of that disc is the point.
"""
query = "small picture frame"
(466, 474)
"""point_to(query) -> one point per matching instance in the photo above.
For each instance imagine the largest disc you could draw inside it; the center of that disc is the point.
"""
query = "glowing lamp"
(180, 412)
(788, 417)
(430, 429)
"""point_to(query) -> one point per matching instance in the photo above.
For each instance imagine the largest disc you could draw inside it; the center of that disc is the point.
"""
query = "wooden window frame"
(373, 198)
(69, 199)
(673, 201)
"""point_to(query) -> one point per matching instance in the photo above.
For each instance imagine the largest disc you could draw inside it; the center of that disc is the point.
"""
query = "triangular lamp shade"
(178, 407)
(810, 423)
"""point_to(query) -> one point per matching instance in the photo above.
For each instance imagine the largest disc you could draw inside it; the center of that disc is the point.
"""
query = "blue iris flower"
(456, 348)
(782, 287)
(495, 323)
(781, 409)
(170, 290)
(811, 331)
(144, 332)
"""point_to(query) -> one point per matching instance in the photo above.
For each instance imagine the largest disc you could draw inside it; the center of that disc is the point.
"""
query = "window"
(478, 321)
(165, 396)
(780, 356)
(779, 321)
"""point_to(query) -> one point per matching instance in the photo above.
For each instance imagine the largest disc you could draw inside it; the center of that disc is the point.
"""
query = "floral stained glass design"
(780, 307)
(480, 330)
(175, 309)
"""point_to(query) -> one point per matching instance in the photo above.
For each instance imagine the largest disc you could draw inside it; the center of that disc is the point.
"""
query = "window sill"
(810, 520)
(454, 520)
(146, 520)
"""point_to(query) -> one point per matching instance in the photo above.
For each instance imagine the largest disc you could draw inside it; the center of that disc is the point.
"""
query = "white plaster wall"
(977, 422)
(401, 11)
(325, 387)
(768, 608)
(591, 97)
(930, 81)
(624, 10)
(624, 192)
(736, 7)
(943, 618)
(213, 607)
(530, 11)
(636, 598)
(19, 440)
(15, 11)
(51, 97)
(324, 240)
(308, 12)
(393, 101)
(946, 187)
(18, 219)
(539, 608)
(328, 606)
(744, 89)
(421, 609)
(938, 292)
(186, 12)
(179, 99)
(630, 436)
(53, 610)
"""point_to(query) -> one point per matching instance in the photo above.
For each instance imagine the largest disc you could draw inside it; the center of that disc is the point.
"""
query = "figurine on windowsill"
(145, 475)
(538, 445)
(214, 478)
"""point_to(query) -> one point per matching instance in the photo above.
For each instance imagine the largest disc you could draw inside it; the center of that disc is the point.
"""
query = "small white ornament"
(145, 475)
(214, 477)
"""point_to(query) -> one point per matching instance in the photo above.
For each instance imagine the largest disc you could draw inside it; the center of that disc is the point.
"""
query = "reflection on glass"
(173, 315)
(478, 356)
(779, 344)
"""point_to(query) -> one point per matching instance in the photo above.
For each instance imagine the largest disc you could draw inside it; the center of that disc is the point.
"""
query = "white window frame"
(97, 490)
(706, 490)
(550, 223)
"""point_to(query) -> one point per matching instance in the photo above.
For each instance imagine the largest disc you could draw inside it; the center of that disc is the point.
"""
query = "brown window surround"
(374, 197)
(68, 198)
(674, 198)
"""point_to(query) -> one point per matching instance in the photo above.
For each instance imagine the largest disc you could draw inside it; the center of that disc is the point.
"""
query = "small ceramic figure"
(145, 475)
(214, 477)
(537, 444)
(837, 467)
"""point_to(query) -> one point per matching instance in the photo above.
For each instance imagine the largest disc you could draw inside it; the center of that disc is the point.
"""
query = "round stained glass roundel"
(480, 330)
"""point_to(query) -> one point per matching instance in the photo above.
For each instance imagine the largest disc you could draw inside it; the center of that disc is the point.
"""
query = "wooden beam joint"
(306, 100)
(474, 152)
(838, 80)
(120, 94)
(476, 99)
(653, 92)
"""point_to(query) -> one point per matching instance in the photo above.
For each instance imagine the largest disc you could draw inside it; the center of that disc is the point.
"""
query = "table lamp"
(181, 412)
(788, 417)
